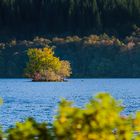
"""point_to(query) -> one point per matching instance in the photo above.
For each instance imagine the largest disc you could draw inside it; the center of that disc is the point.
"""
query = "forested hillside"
(27, 18)
(76, 28)
(90, 56)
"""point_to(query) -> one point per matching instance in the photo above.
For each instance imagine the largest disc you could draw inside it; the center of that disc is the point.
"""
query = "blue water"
(23, 98)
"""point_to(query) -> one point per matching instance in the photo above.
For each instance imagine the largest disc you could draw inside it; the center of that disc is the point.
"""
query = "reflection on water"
(23, 98)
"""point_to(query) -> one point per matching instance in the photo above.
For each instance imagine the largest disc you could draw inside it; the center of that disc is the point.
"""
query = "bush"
(97, 121)
(44, 66)
(29, 130)
(100, 119)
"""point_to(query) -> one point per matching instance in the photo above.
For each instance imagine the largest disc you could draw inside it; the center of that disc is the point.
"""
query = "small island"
(44, 66)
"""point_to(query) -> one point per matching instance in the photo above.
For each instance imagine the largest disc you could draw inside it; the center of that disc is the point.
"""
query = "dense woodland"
(56, 22)
(23, 19)
(90, 56)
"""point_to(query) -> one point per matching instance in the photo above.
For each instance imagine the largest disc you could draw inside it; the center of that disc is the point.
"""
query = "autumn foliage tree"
(44, 66)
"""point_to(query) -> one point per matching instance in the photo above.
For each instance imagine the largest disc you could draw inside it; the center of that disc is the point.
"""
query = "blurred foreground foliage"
(100, 119)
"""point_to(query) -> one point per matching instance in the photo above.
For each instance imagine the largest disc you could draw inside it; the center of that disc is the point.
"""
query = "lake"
(23, 98)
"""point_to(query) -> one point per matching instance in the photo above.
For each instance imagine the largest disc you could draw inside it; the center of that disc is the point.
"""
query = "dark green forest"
(76, 30)
(27, 18)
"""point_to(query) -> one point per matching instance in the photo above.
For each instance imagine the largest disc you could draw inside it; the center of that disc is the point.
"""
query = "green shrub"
(97, 121)
(29, 130)
(44, 66)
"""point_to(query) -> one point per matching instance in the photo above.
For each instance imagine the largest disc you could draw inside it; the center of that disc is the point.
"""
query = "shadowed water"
(23, 98)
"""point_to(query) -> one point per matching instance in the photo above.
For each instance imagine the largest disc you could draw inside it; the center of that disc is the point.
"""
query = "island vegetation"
(100, 119)
(44, 66)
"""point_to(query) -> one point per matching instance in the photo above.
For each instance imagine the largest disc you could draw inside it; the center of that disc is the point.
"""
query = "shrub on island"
(44, 66)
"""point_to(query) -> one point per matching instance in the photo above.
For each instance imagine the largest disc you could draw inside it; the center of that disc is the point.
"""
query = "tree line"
(89, 56)
(32, 17)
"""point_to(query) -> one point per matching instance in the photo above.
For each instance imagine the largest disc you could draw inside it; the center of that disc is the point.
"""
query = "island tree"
(44, 66)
